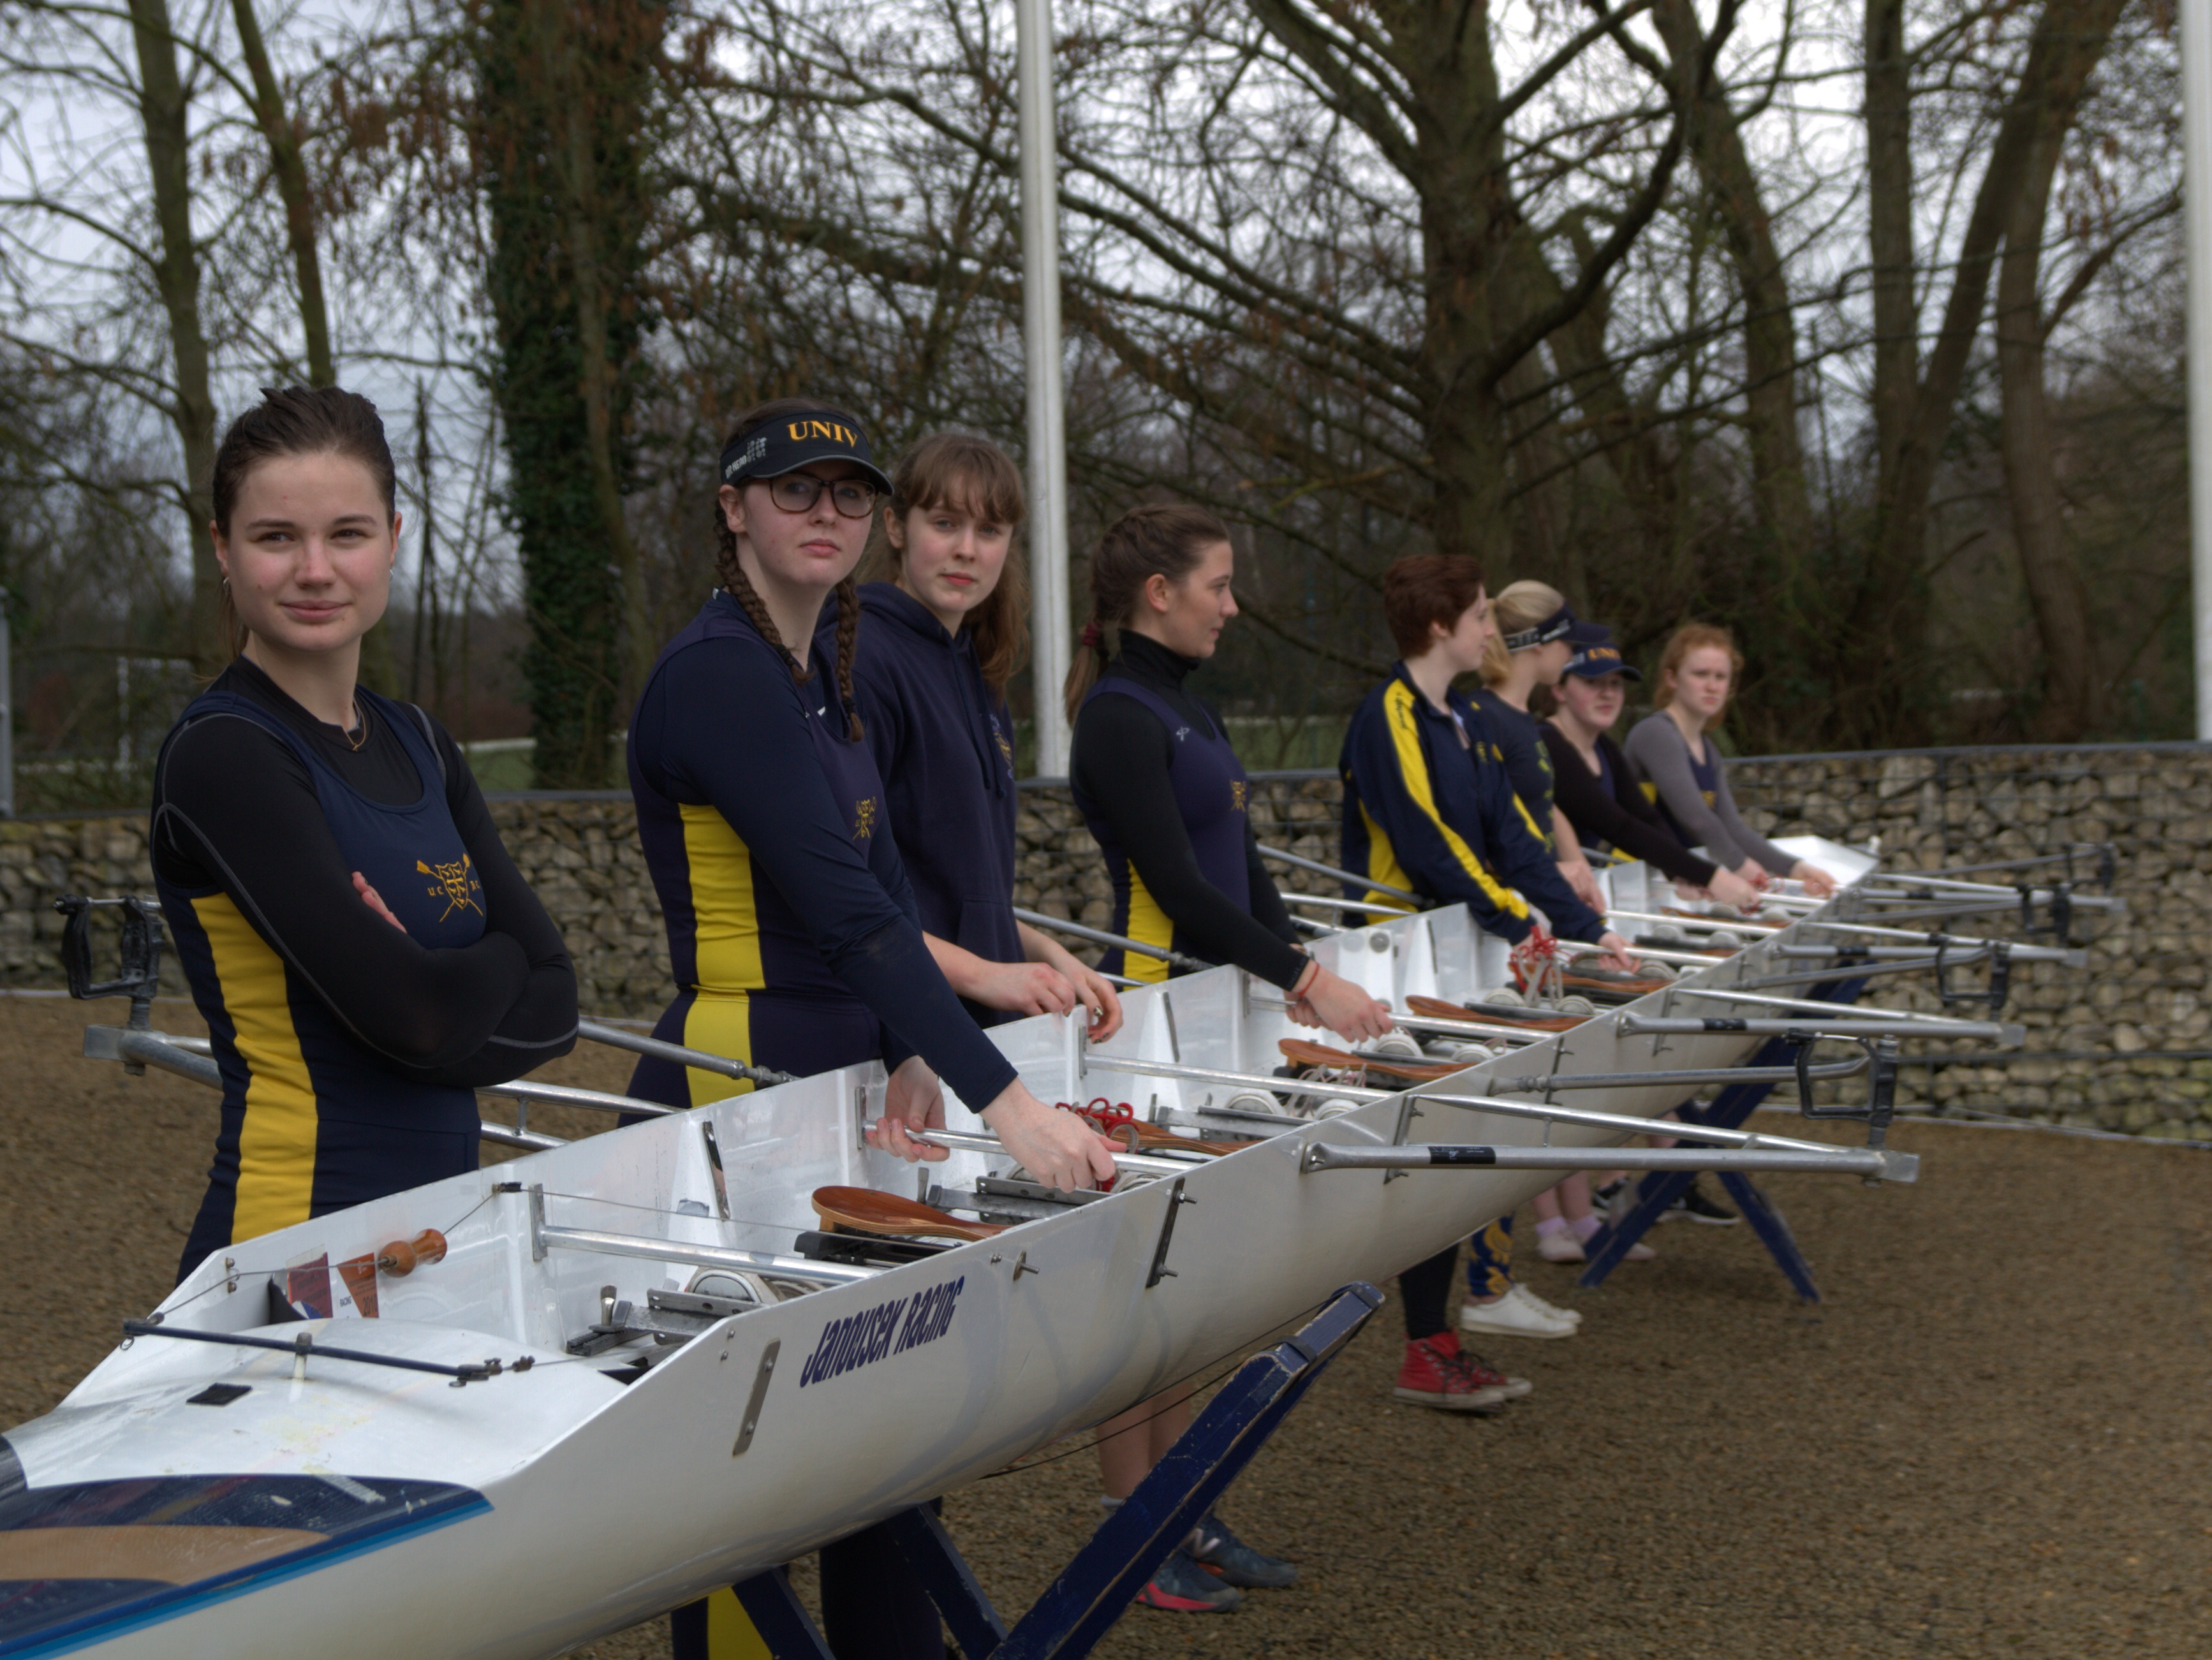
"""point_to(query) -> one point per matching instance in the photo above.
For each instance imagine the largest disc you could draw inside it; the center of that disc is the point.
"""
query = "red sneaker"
(1486, 1376)
(1435, 1375)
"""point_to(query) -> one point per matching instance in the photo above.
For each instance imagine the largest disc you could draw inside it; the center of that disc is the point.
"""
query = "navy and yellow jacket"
(1428, 807)
(764, 831)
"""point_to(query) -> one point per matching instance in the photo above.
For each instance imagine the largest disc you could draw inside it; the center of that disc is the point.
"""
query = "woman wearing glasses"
(791, 925)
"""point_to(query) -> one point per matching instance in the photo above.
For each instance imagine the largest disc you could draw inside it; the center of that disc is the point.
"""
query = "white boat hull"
(571, 1505)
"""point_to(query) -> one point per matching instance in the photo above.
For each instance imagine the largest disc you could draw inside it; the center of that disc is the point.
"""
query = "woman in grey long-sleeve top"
(1686, 774)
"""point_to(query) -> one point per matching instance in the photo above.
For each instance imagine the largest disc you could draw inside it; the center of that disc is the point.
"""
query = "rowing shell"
(191, 1499)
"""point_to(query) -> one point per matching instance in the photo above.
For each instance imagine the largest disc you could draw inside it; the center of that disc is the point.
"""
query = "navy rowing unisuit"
(1164, 794)
(943, 744)
(791, 927)
(348, 1048)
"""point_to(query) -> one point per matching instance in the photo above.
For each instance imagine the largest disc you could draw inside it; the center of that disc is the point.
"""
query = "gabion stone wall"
(2125, 1045)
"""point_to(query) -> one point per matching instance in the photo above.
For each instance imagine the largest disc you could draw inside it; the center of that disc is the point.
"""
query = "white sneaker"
(1544, 1307)
(1560, 1245)
(1516, 1314)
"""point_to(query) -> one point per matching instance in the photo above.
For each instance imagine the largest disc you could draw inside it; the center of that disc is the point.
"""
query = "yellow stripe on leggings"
(277, 1146)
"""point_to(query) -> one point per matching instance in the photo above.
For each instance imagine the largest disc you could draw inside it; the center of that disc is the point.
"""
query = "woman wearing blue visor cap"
(1598, 790)
(1534, 641)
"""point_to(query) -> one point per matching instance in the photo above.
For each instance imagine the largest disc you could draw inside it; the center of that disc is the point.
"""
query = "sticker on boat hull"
(890, 1327)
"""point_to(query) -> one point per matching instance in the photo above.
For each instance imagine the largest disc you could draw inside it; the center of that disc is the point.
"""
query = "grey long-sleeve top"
(1693, 794)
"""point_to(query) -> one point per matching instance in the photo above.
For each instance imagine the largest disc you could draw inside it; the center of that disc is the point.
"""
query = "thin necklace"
(361, 726)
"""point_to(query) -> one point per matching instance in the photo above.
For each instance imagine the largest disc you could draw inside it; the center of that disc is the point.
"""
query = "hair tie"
(1090, 634)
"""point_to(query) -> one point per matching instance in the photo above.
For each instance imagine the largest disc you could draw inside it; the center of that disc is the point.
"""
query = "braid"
(740, 588)
(849, 632)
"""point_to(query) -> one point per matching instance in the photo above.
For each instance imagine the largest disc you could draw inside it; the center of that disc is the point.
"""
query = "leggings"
(1426, 1286)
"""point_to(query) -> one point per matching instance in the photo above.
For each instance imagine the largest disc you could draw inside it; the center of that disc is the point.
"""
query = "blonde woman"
(1536, 635)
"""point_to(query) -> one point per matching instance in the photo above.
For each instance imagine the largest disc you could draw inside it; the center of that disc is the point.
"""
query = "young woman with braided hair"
(791, 926)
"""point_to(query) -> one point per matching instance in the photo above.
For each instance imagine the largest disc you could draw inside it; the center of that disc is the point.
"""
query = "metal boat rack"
(1096, 1586)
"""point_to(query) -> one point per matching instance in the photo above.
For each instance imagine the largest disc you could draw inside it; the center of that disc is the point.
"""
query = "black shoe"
(1694, 1205)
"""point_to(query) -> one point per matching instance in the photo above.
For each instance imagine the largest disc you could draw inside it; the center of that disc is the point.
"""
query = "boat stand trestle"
(1095, 1588)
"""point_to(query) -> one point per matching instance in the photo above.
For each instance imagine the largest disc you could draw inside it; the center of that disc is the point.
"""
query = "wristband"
(1303, 983)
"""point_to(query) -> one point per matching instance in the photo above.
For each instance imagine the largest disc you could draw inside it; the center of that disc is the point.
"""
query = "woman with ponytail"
(1155, 775)
(1165, 793)
(791, 926)
(945, 633)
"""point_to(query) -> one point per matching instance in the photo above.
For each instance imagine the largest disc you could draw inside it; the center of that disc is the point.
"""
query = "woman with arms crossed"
(1688, 778)
(942, 637)
(362, 948)
(791, 926)
(1165, 793)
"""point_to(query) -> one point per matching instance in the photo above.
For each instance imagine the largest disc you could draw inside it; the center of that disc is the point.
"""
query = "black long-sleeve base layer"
(243, 816)
(1622, 817)
(1120, 758)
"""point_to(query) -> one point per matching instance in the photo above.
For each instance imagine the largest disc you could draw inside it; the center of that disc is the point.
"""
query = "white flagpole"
(2197, 188)
(1040, 350)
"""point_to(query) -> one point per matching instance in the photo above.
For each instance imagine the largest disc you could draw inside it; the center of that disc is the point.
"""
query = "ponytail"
(1085, 666)
(1142, 543)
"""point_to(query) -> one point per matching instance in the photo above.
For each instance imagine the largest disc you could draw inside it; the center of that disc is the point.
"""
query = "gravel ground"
(1991, 1440)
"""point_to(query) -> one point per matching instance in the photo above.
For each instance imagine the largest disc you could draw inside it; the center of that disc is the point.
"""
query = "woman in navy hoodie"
(942, 637)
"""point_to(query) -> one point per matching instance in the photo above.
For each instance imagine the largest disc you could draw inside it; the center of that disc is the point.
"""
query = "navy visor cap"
(798, 440)
(1559, 625)
(1596, 656)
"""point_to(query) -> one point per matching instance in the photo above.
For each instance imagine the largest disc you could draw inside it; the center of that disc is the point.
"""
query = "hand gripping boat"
(503, 1414)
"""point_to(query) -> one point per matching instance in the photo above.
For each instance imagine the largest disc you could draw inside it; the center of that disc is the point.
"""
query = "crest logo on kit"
(864, 818)
(1236, 795)
(455, 884)
(1181, 732)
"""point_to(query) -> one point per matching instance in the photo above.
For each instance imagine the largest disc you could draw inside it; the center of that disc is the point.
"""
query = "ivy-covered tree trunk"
(564, 87)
